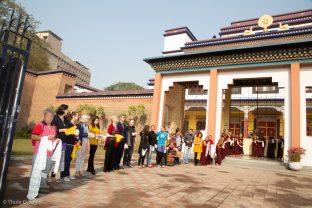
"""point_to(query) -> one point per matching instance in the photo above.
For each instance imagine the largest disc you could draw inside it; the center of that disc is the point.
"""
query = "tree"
(124, 86)
(137, 113)
(91, 110)
(38, 60)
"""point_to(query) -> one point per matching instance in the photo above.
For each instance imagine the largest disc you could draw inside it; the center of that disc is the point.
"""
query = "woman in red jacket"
(110, 145)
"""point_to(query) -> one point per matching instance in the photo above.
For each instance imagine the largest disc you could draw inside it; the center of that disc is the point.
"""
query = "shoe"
(89, 170)
(44, 191)
(60, 180)
(72, 177)
(150, 166)
(66, 179)
(93, 172)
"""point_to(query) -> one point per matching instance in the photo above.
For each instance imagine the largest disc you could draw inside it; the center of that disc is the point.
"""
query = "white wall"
(169, 80)
(175, 42)
(305, 141)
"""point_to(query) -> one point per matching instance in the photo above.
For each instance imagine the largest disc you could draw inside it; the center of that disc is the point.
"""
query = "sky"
(111, 37)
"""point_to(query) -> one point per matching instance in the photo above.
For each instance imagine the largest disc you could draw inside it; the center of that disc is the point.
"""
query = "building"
(250, 78)
(58, 60)
(255, 77)
(52, 88)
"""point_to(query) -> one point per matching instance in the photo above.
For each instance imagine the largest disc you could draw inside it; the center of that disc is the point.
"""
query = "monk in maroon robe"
(219, 151)
(254, 146)
(271, 147)
(280, 148)
(260, 147)
(239, 145)
(231, 144)
(205, 157)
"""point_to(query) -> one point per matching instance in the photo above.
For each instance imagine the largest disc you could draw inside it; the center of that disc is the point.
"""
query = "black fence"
(14, 55)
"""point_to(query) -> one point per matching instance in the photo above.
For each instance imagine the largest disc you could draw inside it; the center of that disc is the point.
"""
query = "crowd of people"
(65, 136)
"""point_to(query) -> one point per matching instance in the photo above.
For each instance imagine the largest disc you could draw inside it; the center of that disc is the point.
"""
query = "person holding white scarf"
(43, 159)
(143, 145)
(84, 142)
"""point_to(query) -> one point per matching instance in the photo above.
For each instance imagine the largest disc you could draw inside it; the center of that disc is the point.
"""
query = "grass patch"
(22, 146)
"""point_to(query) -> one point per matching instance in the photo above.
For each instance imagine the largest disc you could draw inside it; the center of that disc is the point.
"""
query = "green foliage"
(24, 132)
(90, 110)
(137, 113)
(38, 60)
(136, 110)
(124, 86)
(53, 108)
(100, 111)
(123, 113)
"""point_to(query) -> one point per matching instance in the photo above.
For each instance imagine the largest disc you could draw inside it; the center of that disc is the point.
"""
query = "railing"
(14, 55)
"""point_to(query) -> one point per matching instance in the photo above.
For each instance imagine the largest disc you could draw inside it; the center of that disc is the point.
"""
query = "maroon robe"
(260, 148)
(280, 149)
(237, 150)
(254, 148)
(220, 154)
(231, 147)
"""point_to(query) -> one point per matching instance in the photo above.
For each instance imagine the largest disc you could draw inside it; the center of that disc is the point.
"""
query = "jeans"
(161, 158)
(91, 157)
(127, 156)
(186, 154)
(149, 155)
(67, 160)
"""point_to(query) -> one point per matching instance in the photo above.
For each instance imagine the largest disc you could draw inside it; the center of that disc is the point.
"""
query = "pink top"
(42, 130)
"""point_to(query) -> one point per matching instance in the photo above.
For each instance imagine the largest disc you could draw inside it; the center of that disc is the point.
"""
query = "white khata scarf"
(40, 165)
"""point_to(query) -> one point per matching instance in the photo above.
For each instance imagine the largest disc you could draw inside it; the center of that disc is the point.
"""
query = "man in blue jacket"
(122, 127)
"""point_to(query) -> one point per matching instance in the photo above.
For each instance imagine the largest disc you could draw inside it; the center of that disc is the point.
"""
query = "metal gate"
(14, 49)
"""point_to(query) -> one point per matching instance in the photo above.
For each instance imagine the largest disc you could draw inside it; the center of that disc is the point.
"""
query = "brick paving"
(237, 183)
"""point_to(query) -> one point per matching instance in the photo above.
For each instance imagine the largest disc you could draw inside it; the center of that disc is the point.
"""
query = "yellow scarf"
(76, 148)
(71, 130)
(119, 137)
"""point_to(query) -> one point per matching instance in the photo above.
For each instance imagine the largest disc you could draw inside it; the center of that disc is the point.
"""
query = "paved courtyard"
(237, 183)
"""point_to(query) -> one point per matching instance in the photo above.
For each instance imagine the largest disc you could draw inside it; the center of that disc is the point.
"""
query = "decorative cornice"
(108, 94)
(293, 34)
(261, 54)
(56, 71)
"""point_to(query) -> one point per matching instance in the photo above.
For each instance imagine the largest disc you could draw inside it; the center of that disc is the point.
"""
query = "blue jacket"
(82, 134)
(122, 128)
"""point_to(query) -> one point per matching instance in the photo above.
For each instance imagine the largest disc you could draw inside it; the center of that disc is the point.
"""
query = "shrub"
(295, 153)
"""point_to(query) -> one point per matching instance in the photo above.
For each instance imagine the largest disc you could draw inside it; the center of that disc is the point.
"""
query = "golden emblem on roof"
(265, 21)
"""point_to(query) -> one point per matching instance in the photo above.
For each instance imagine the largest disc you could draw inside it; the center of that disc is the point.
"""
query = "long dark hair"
(61, 109)
(93, 120)
(145, 130)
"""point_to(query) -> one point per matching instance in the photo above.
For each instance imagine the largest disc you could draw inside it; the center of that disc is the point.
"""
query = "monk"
(271, 146)
(254, 146)
(239, 142)
(205, 157)
(231, 144)
(260, 146)
(280, 148)
(220, 151)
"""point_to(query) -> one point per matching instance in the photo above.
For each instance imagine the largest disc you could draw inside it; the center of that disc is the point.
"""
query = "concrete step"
(248, 162)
